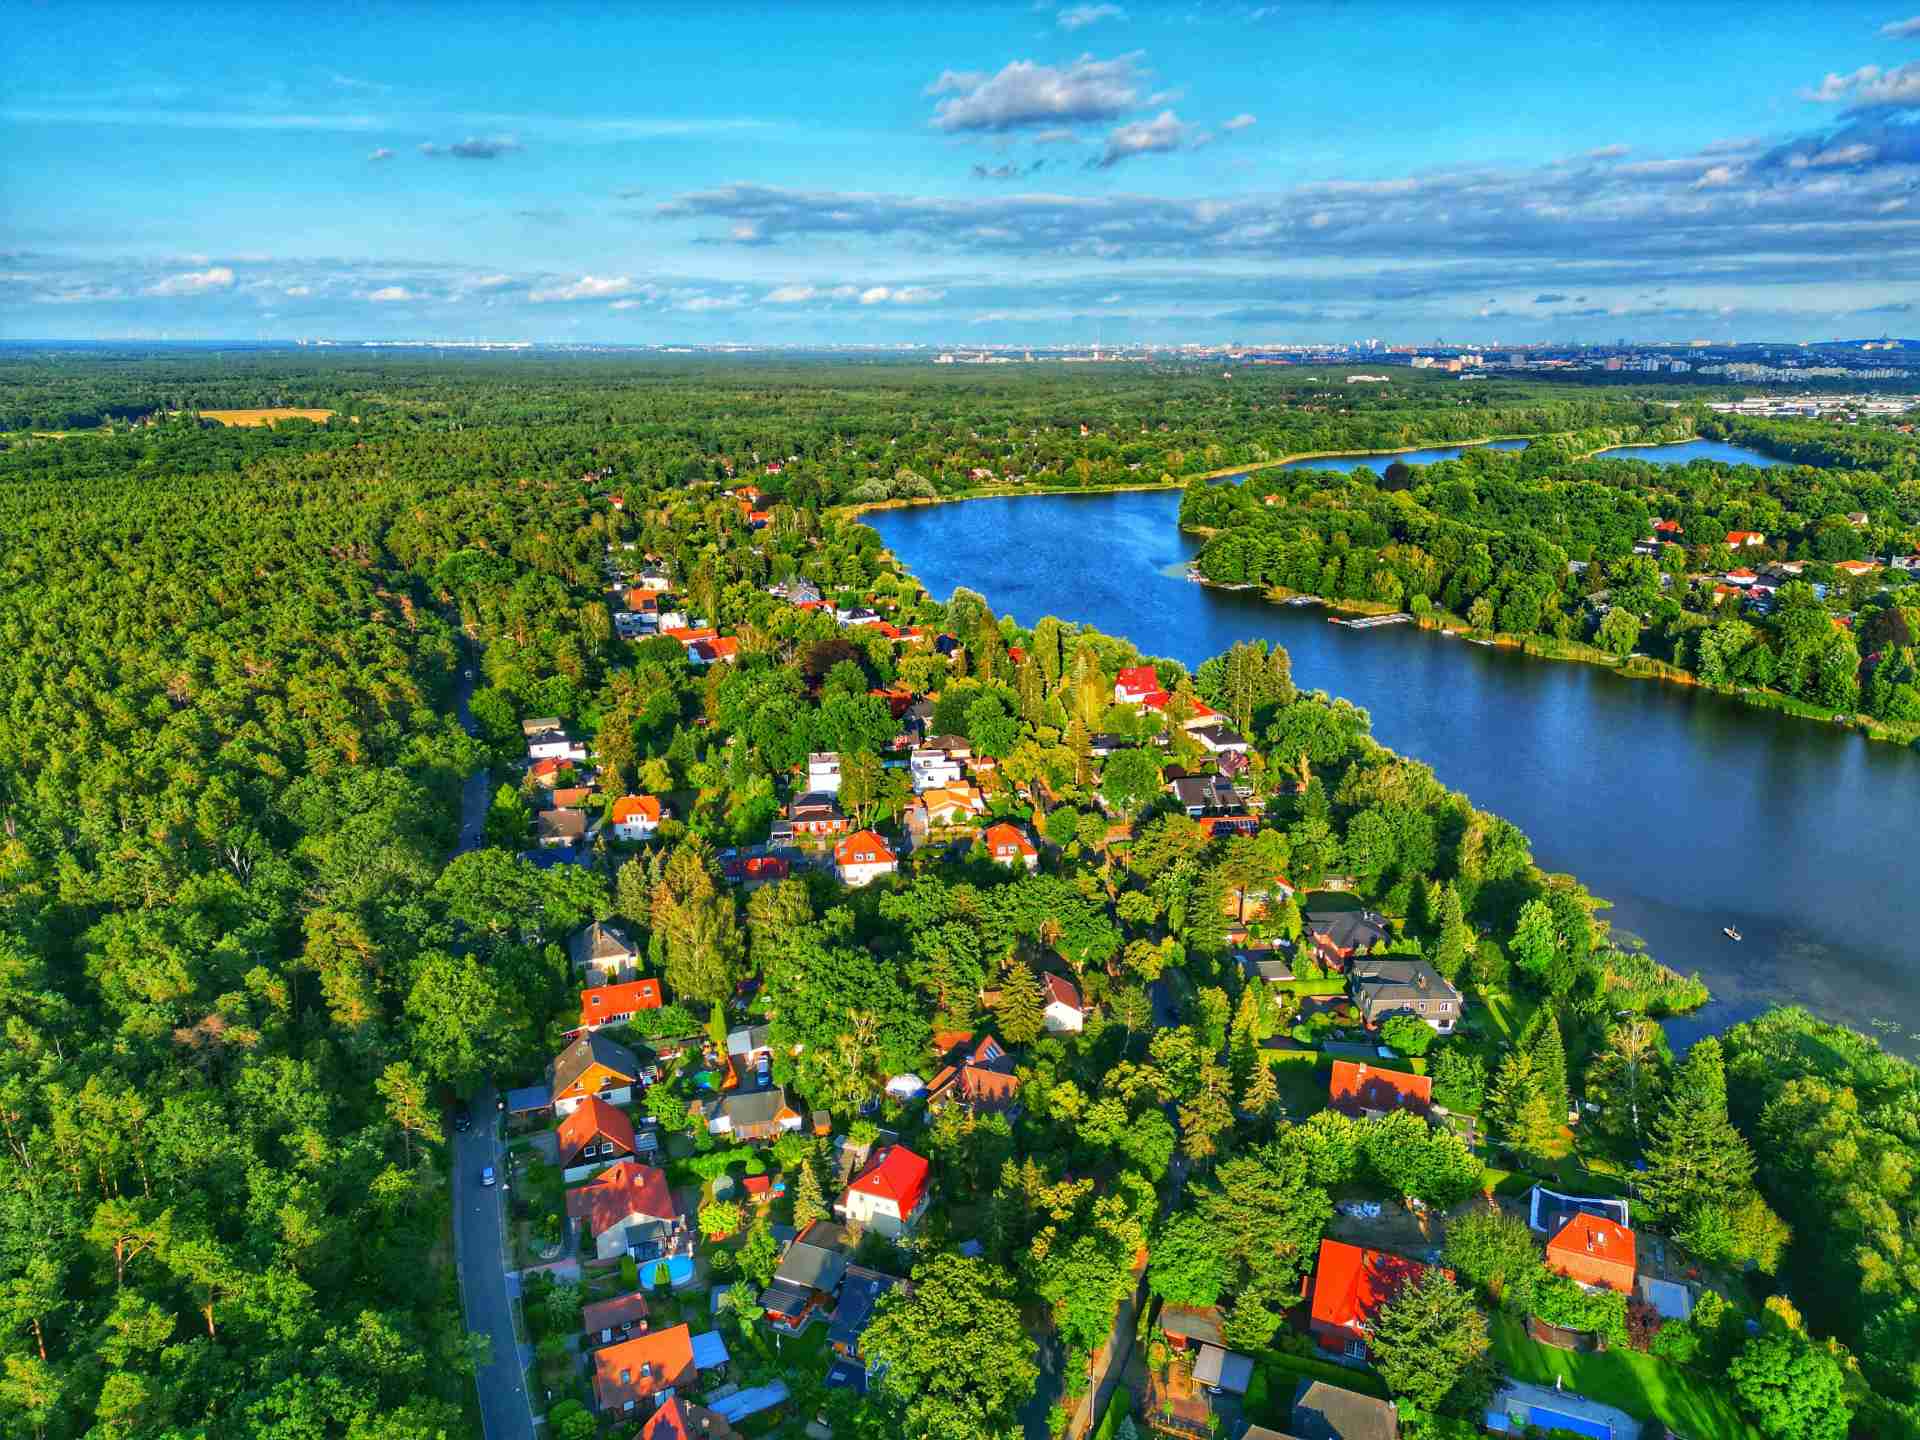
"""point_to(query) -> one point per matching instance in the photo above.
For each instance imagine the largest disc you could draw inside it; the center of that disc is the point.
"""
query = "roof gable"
(1351, 1284)
(591, 1122)
(574, 1062)
(1360, 1086)
(896, 1174)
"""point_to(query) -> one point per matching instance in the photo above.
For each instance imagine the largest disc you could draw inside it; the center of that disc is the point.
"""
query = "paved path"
(479, 1211)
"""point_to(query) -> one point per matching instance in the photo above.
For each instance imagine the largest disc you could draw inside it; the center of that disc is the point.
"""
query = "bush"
(629, 1274)
(1408, 1034)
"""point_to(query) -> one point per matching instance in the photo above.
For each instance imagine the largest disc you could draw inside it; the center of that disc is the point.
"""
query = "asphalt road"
(479, 1218)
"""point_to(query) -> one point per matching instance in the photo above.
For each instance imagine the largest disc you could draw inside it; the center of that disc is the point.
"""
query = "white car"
(486, 1176)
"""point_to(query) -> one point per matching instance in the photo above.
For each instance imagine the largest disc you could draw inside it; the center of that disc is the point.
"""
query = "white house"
(555, 745)
(627, 1196)
(823, 773)
(1063, 1013)
(890, 1195)
(636, 817)
(933, 770)
(602, 953)
(652, 579)
(863, 857)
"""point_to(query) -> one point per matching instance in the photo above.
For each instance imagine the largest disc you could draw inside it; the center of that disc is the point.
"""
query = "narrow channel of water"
(1689, 811)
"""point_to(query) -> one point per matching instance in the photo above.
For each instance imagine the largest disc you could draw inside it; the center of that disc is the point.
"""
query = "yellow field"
(265, 417)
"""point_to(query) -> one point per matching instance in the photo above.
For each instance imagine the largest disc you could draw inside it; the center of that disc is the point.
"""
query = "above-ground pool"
(679, 1270)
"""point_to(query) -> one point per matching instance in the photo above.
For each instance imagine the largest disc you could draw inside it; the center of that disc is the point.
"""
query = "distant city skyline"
(1017, 173)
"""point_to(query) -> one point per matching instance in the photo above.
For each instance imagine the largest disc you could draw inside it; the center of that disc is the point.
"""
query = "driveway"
(479, 1211)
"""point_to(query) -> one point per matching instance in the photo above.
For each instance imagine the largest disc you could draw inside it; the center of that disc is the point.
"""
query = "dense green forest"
(1539, 544)
(241, 980)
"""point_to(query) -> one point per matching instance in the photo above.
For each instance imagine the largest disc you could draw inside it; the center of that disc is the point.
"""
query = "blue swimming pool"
(679, 1270)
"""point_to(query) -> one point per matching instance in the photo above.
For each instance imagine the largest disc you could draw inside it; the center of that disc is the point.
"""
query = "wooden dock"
(1372, 622)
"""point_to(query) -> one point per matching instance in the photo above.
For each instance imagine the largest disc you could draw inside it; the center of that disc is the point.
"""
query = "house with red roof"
(979, 1078)
(625, 1196)
(754, 871)
(636, 817)
(678, 1419)
(1133, 685)
(863, 857)
(616, 1004)
(890, 1194)
(1064, 1013)
(1595, 1251)
(1367, 1090)
(635, 1373)
(1744, 539)
(1008, 845)
(1350, 1286)
(1668, 528)
(595, 1133)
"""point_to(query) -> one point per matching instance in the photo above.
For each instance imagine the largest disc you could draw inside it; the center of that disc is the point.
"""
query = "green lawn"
(1639, 1384)
(1303, 1088)
(1276, 1375)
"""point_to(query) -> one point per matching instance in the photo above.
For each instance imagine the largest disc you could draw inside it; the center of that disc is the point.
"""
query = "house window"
(1356, 1349)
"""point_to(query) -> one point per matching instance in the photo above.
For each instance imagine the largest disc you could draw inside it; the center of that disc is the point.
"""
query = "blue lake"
(1685, 452)
(1688, 811)
(1346, 464)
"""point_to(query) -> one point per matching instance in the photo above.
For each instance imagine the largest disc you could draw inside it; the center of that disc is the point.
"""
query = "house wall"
(1064, 1019)
(1335, 1339)
(619, 1095)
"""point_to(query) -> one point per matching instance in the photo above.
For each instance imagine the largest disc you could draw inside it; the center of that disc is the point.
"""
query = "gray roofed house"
(1223, 1369)
(749, 1040)
(860, 1291)
(602, 947)
(1199, 794)
(540, 725)
(583, 1054)
(1273, 966)
(1217, 739)
(1325, 1412)
(529, 1099)
(752, 1114)
(818, 1259)
(1340, 934)
(1192, 1323)
(560, 827)
(1387, 985)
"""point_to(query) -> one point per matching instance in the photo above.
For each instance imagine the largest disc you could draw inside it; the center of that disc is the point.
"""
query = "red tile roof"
(628, 807)
(637, 1368)
(896, 1174)
(1005, 841)
(1137, 679)
(586, 1125)
(610, 1314)
(1356, 1087)
(627, 1188)
(680, 1420)
(862, 847)
(599, 1005)
(1350, 1284)
(1594, 1251)
(1059, 988)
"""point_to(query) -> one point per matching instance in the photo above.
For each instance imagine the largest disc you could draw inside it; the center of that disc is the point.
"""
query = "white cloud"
(1717, 176)
(1078, 17)
(299, 292)
(490, 282)
(792, 295)
(711, 302)
(391, 295)
(1025, 94)
(917, 295)
(1902, 29)
(876, 295)
(1609, 152)
(627, 304)
(1871, 88)
(1239, 122)
(1166, 131)
(194, 282)
(587, 287)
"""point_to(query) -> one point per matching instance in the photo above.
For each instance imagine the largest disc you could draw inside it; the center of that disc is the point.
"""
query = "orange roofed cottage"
(623, 1205)
(636, 817)
(595, 1134)
(863, 857)
(637, 1373)
(1350, 1285)
(1008, 845)
(616, 1004)
(592, 1065)
(1367, 1090)
(1594, 1251)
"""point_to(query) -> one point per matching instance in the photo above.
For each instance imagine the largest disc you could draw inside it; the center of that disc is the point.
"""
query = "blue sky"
(832, 173)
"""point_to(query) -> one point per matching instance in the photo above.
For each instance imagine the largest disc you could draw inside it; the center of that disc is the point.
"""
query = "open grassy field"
(266, 417)
(1639, 1384)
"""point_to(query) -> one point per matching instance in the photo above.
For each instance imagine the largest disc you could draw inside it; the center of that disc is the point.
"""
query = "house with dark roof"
(1339, 935)
(979, 1078)
(1364, 1090)
(1198, 795)
(594, 1133)
(1350, 1286)
(1327, 1412)
(602, 953)
(1271, 965)
(605, 1321)
(1218, 739)
(592, 1065)
(809, 1276)
(1383, 986)
(1186, 1326)
(860, 1292)
(816, 813)
(752, 1114)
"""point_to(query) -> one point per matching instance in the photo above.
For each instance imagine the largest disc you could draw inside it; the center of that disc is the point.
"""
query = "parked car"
(486, 1176)
(763, 1072)
(463, 1120)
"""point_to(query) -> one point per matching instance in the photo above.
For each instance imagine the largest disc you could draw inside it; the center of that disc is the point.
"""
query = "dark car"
(463, 1120)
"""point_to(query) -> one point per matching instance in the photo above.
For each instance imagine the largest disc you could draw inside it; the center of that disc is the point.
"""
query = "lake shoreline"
(1006, 492)
(1864, 726)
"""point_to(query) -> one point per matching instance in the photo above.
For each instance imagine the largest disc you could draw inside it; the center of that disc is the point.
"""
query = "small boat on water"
(1731, 933)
